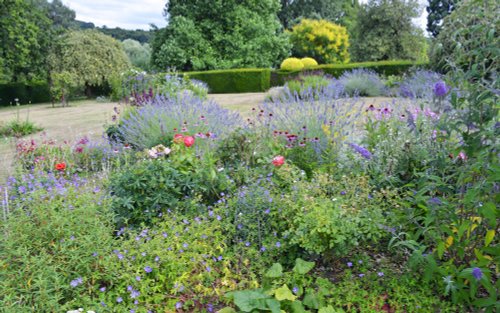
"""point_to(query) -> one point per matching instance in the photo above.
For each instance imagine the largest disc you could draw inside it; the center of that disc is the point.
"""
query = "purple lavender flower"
(361, 150)
(440, 89)
(477, 273)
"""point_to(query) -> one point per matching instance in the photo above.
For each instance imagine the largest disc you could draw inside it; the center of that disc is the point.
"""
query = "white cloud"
(119, 13)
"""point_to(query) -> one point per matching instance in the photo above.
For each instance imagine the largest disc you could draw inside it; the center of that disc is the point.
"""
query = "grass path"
(88, 118)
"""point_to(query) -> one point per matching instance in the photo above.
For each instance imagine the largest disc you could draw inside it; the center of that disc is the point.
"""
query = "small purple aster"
(119, 299)
(349, 264)
(138, 278)
(278, 244)
(295, 290)
(102, 289)
(148, 269)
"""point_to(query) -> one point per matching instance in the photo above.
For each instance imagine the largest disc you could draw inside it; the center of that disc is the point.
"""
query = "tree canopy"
(88, 57)
(385, 31)
(437, 10)
(208, 34)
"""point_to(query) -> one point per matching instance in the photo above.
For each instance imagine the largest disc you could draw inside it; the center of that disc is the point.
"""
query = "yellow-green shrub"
(324, 41)
(309, 62)
(292, 64)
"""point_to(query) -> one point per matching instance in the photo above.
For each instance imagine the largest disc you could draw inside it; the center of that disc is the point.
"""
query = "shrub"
(292, 64)
(309, 63)
(419, 84)
(363, 83)
(307, 84)
(148, 188)
(32, 92)
(157, 122)
(234, 81)
(51, 248)
(324, 41)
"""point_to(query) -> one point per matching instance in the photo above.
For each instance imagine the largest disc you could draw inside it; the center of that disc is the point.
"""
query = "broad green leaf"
(275, 271)
(227, 310)
(302, 267)
(489, 237)
(284, 293)
(273, 305)
(249, 300)
(297, 307)
(311, 300)
(328, 309)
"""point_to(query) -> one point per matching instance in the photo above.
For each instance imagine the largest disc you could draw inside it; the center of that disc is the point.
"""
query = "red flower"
(178, 138)
(278, 160)
(188, 141)
(61, 166)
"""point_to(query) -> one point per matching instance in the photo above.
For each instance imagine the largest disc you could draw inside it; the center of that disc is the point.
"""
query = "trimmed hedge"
(386, 68)
(234, 80)
(34, 92)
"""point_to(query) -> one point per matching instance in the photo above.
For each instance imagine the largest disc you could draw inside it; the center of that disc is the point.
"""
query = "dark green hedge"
(34, 92)
(234, 81)
(385, 68)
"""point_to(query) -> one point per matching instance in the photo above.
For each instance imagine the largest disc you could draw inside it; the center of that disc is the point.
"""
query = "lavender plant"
(158, 121)
(362, 82)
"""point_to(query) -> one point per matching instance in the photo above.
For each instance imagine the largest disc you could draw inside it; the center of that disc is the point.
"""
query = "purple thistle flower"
(362, 151)
(440, 89)
(477, 273)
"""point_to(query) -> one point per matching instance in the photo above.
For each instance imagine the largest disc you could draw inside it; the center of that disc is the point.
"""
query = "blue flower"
(349, 264)
(148, 269)
(119, 299)
(440, 89)
(361, 150)
(75, 282)
(477, 273)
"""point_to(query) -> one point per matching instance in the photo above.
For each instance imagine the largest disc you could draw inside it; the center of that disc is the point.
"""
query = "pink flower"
(462, 156)
(188, 141)
(278, 160)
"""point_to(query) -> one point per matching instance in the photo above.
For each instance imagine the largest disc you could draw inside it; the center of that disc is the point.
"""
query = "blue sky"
(138, 14)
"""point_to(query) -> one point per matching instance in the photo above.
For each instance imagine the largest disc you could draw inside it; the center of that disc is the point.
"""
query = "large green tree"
(385, 31)
(437, 10)
(342, 12)
(138, 54)
(86, 59)
(208, 34)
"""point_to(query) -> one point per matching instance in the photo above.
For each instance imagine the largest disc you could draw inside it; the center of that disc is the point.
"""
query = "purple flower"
(349, 264)
(178, 305)
(148, 269)
(138, 278)
(361, 275)
(477, 273)
(119, 299)
(75, 282)
(134, 294)
(440, 89)
(278, 244)
(295, 290)
(102, 289)
(380, 274)
(361, 150)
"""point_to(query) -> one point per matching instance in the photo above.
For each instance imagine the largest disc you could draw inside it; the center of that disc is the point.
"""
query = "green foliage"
(87, 58)
(147, 189)
(307, 82)
(219, 35)
(385, 68)
(437, 10)
(385, 31)
(364, 83)
(338, 218)
(48, 242)
(139, 55)
(291, 64)
(18, 128)
(234, 81)
(324, 41)
(32, 92)
(342, 12)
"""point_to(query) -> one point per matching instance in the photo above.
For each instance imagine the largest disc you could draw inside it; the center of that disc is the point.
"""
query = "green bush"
(234, 81)
(51, 249)
(292, 64)
(33, 92)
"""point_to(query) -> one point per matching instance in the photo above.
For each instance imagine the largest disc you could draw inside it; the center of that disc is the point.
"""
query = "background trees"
(385, 31)
(138, 54)
(437, 10)
(204, 34)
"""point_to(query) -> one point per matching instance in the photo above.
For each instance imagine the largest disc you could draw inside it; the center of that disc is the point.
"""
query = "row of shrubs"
(32, 92)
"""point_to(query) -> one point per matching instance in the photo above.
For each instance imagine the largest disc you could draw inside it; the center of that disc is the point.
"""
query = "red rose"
(61, 166)
(178, 138)
(188, 141)
(278, 160)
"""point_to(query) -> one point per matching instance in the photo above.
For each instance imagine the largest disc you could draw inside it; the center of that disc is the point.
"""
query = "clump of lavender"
(419, 85)
(158, 121)
(440, 89)
(362, 82)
